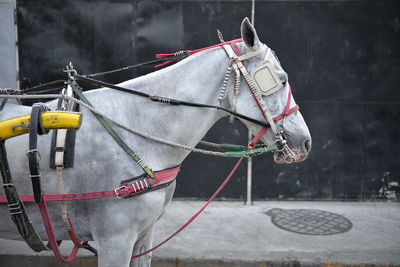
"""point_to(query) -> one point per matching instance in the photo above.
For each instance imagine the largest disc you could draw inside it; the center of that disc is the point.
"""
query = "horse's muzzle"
(291, 154)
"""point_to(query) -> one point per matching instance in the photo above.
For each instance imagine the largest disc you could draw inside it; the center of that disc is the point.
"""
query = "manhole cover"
(309, 221)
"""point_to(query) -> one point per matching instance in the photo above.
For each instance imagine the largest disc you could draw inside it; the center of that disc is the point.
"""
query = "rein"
(251, 146)
(166, 100)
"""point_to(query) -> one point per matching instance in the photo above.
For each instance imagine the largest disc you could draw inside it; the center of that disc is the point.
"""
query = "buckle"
(132, 188)
(116, 191)
(15, 208)
(34, 151)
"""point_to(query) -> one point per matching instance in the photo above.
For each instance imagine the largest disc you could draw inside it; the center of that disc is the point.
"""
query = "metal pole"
(16, 50)
(253, 4)
(249, 175)
(250, 137)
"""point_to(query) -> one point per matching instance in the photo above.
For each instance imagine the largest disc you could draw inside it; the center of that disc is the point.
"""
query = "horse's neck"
(196, 79)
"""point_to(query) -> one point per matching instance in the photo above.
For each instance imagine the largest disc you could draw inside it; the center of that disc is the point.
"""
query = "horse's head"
(272, 84)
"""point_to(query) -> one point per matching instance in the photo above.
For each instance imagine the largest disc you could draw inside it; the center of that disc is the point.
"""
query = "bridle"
(236, 60)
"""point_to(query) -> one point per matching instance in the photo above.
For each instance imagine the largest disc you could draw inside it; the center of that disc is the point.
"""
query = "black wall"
(342, 57)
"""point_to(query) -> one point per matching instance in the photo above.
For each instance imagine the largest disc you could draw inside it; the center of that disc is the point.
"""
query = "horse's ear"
(249, 34)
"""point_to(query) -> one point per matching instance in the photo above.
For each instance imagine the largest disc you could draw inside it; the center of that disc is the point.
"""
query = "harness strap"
(112, 132)
(192, 52)
(285, 113)
(64, 212)
(248, 55)
(125, 190)
(60, 136)
(287, 110)
(51, 236)
(258, 137)
(35, 128)
(16, 207)
(162, 179)
(63, 141)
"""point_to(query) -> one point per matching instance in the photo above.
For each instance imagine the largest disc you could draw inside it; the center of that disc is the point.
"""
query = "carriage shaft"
(50, 120)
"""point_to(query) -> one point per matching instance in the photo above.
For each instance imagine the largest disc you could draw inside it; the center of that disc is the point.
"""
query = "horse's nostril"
(307, 145)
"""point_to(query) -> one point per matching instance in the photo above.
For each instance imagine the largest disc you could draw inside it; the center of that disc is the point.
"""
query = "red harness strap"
(191, 52)
(161, 178)
(287, 110)
(238, 53)
(285, 113)
(51, 236)
(128, 189)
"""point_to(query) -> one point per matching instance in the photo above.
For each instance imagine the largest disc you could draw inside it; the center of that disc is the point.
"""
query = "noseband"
(236, 59)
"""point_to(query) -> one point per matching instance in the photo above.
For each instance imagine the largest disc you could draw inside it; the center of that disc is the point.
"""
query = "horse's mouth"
(293, 156)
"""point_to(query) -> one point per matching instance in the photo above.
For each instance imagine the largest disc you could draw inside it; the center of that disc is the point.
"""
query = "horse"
(121, 228)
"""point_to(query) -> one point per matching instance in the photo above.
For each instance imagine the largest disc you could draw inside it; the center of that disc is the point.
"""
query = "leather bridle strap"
(258, 136)
(237, 59)
(166, 100)
(287, 110)
(234, 54)
(285, 113)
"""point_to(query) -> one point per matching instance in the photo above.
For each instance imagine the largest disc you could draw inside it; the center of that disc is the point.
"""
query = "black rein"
(166, 100)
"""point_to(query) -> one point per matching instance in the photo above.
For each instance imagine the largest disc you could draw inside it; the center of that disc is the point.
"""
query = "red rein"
(191, 52)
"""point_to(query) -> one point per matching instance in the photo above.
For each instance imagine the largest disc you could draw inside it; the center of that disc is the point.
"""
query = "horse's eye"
(273, 52)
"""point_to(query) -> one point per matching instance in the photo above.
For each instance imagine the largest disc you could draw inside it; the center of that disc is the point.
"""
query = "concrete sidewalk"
(232, 234)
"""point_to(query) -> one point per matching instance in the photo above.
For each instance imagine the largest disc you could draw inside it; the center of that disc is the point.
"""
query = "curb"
(84, 261)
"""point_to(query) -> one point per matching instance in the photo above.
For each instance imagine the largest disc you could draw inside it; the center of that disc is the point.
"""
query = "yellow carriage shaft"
(50, 120)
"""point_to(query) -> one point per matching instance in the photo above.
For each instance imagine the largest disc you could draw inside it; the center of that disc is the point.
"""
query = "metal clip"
(71, 72)
(280, 141)
(283, 148)
(220, 37)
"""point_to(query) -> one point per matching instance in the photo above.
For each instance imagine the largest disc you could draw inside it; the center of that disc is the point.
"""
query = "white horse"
(124, 227)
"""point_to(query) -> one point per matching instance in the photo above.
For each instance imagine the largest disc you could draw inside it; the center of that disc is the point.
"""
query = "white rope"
(210, 144)
(120, 124)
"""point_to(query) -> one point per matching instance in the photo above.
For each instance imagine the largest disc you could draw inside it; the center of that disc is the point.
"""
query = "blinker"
(266, 80)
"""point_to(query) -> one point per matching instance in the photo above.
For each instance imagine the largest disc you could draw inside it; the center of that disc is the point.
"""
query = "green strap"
(111, 131)
(251, 153)
(231, 147)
